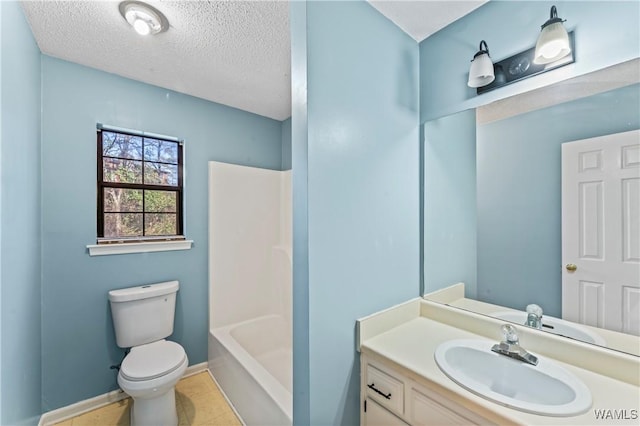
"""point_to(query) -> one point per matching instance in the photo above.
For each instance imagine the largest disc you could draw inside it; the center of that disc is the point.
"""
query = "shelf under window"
(138, 247)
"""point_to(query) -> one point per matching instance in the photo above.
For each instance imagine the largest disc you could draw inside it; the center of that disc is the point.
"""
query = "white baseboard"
(195, 369)
(64, 413)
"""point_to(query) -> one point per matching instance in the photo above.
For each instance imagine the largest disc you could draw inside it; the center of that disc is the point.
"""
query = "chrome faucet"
(511, 348)
(534, 316)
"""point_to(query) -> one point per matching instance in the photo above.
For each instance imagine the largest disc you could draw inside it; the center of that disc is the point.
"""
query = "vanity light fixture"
(145, 19)
(481, 72)
(553, 41)
(554, 49)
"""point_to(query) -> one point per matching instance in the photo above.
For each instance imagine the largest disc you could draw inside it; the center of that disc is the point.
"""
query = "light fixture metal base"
(520, 66)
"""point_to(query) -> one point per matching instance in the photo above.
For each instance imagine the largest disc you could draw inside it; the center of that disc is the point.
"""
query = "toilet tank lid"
(143, 291)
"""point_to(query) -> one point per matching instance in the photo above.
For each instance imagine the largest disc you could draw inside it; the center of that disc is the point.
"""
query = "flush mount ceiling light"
(553, 41)
(481, 71)
(145, 19)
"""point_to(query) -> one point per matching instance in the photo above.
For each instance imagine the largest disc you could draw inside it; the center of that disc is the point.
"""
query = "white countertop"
(411, 346)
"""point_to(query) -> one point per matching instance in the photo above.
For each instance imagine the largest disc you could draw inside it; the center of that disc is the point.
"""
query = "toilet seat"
(152, 360)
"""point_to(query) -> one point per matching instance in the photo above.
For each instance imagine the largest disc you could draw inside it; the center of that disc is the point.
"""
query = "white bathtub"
(251, 361)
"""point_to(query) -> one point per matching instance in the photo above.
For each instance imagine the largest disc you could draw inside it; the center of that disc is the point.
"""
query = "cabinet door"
(375, 415)
(427, 408)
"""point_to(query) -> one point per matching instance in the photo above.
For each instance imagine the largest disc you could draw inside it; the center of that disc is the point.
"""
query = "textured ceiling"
(231, 52)
(236, 53)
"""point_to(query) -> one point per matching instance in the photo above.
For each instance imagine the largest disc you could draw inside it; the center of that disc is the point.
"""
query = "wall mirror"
(493, 211)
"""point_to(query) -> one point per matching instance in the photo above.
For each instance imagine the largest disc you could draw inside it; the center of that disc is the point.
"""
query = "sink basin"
(545, 389)
(555, 326)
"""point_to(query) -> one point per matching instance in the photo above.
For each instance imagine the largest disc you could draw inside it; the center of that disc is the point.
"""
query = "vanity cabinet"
(390, 397)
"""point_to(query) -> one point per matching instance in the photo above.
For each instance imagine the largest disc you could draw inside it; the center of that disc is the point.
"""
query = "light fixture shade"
(481, 71)
(144, 19)
(553, 41)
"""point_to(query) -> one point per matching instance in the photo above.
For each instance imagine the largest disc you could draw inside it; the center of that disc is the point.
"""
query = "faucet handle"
(510, 334)
(534, 309)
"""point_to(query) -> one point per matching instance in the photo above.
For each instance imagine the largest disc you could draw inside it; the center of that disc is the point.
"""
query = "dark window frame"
(102, 184)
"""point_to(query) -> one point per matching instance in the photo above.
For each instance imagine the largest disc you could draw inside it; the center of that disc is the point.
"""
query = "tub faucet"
(511, 348)
(534, 316)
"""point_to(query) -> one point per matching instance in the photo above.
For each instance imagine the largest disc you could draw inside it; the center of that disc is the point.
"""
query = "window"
(139, 187)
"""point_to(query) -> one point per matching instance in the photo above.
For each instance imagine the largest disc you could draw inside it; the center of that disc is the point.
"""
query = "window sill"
(142, 247)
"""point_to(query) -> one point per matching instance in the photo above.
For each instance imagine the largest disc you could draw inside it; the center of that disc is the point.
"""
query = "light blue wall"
(20, 218)
(450, 202)
(1, 59)
(78, 344)
(286, 144)
(519, 203)
(606, 33)
(362, 192)
(299, 174)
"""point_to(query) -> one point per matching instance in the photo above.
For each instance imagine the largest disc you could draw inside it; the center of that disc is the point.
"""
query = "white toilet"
(142, 318)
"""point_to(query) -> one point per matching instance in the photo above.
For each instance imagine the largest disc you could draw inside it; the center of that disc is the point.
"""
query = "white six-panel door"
(601, 231)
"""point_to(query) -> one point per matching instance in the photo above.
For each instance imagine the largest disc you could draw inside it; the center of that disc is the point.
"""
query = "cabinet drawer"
(387, 390)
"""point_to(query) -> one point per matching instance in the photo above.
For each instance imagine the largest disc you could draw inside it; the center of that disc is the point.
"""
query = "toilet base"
(157, 411)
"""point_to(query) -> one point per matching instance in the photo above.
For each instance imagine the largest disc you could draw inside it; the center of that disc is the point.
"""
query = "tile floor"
(199, 403)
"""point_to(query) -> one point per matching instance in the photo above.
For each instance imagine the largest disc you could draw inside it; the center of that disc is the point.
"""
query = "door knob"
(571, 267)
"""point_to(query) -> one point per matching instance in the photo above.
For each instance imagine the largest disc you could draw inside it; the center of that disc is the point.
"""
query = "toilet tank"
(143, 314)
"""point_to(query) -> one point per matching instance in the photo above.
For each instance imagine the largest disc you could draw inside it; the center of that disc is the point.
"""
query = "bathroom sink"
(555, 326)
(545, 389)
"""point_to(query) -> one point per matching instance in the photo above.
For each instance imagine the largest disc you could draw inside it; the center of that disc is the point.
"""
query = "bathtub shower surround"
(250, 290)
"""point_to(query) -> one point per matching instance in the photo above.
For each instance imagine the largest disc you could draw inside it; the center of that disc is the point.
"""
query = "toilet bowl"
(143, 316)
(149, 374)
